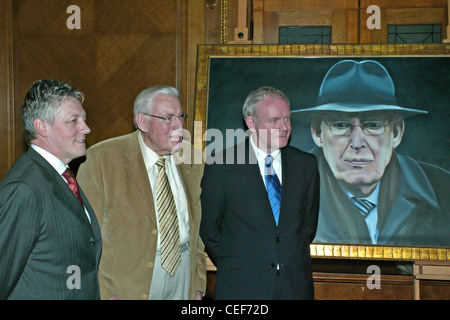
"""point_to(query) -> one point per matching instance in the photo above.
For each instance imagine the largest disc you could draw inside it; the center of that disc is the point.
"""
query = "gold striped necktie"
(168, 222)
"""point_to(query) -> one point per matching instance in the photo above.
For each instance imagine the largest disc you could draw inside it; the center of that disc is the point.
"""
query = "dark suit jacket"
(44, 231)
(240, 233)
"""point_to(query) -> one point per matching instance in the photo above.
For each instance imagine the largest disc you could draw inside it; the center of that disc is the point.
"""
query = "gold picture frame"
(202, 94)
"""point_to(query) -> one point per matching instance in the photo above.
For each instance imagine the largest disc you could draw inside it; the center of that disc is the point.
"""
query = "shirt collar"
(373, 197)
(54, 161)
(261, 155)
(150, 156)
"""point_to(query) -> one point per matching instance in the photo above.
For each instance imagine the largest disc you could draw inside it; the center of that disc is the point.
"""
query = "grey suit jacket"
(49, 250)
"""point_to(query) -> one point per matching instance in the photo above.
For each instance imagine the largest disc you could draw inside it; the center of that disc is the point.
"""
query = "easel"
(241, 31)
(448, 23)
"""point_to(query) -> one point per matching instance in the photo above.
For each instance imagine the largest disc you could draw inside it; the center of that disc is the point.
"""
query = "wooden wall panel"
(268, 16)
(353, 286)
(123, 47)
(6, 88)
(296, 5)
(341, 286)
(402, 12)
(346, 18)
(195, 34)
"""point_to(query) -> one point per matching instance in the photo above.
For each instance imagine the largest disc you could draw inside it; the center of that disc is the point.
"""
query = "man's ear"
(398, 128)
(316, 137)
(141, 123)
(251, 123)
(41, 127)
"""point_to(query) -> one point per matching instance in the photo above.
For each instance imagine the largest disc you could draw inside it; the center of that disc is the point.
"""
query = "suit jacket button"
(91, 243)
(278, 239)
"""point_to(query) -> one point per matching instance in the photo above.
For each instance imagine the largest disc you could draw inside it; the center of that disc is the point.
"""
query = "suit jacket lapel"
(66, 196)
(251, 169)
(185, 175)
(284, 186)
(61, 189)
(94, 225)
(136, 169)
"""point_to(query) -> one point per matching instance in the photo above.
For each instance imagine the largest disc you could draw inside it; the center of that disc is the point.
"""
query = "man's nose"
(177, 123)
(357, 137)
(85, 129)
(284, 126)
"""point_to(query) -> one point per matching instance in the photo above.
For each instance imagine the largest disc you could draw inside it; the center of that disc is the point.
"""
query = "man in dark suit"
(261, 249)
(50, 240)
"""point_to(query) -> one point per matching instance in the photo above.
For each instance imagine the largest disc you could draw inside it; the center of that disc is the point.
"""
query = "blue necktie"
(273, 187)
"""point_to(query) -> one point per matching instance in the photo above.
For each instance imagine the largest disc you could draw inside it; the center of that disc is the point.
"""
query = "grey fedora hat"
(358, 86)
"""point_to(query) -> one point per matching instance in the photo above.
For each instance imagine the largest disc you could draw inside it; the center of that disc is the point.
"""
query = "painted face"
(163, 138)
(66, 137)
(358, 159)
(271, 126)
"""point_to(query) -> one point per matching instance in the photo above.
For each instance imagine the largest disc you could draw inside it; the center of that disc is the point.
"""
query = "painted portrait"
(378, 125)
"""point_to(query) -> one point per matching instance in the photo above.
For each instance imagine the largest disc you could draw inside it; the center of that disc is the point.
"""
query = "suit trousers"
(166, 287)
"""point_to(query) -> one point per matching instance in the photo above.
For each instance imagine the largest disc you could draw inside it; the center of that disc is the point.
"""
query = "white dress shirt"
(261, 157)
(179, 196)
(56, 163)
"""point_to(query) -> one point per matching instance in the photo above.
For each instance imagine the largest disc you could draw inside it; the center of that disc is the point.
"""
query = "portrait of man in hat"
(369, 192)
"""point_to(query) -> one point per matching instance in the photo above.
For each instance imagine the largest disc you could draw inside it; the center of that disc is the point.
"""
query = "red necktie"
(73, 185)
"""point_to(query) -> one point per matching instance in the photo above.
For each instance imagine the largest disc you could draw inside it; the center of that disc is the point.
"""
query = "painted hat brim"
(358, 108)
